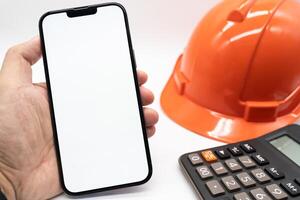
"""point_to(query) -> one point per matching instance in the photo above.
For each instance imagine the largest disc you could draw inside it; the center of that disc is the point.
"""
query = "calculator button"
(209, 156)
(246, 179)
(235, 151)
(204, 172)
(291, 188)
(297, 180)
(230, 183)
(195, 159)
(222, 154)
(259, 194)
(219, 168)
(260, 160)
(274, 173)
(248, 148)
(247, 162)
(260, 175)
(215, 188)
(242, 196)
(233, 165)
(276, 192)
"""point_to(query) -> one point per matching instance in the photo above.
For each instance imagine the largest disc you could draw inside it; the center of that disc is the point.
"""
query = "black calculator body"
(260, 169)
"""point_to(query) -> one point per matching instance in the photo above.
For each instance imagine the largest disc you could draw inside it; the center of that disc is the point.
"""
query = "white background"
(160, 30)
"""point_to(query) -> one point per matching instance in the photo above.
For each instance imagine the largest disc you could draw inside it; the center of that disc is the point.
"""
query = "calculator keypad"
(209, 156)
(260, 175)
(215, 188)
(222, 154)
(260, 160)
(291, 188)
(244, 172)
(195, 159)
(259, 194)
(230, 183)
(219, 168)
(275, 173)
(204, 172)
(246, 179)
(233, 165)
(235, 151)
(276, 192)
(248, 148)
(247, 162)
(242, 196)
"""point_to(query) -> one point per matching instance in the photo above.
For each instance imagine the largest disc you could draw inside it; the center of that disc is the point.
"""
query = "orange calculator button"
(209, 156)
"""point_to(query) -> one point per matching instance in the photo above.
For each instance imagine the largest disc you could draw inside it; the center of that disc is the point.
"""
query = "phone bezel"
(142, 120)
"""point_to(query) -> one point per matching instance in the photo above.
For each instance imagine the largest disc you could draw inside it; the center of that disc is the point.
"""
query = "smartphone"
(95, 105)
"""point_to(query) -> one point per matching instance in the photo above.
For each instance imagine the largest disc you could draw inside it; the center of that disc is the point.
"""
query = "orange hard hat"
(239, 77)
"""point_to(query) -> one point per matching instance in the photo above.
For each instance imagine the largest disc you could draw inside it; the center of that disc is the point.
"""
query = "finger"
(142, 77)
(18, 60)
(147, 96)
(42, 85)
(42, 88)
(150, 131)
(151, 117)
(51, 181)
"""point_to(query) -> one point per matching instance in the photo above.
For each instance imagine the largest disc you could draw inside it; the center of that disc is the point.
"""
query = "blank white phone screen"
(95, 104)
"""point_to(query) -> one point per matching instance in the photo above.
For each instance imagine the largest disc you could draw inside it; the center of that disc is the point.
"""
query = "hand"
(28, 168)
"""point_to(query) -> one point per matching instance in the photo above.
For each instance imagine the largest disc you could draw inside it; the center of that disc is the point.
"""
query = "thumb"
(18, 60)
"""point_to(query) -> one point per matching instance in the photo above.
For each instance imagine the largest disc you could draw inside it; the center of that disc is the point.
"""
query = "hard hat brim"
(205, 122)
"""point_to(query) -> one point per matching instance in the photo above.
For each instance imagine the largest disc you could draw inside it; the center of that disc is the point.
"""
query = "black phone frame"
(142, 120)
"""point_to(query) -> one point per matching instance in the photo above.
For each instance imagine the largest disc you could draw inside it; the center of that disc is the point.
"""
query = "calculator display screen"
(288, 147)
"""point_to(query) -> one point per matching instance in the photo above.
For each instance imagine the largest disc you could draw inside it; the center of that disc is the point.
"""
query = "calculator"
(265, 168)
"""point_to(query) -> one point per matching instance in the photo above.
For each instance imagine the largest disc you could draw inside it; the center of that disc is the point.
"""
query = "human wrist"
(6, 187)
